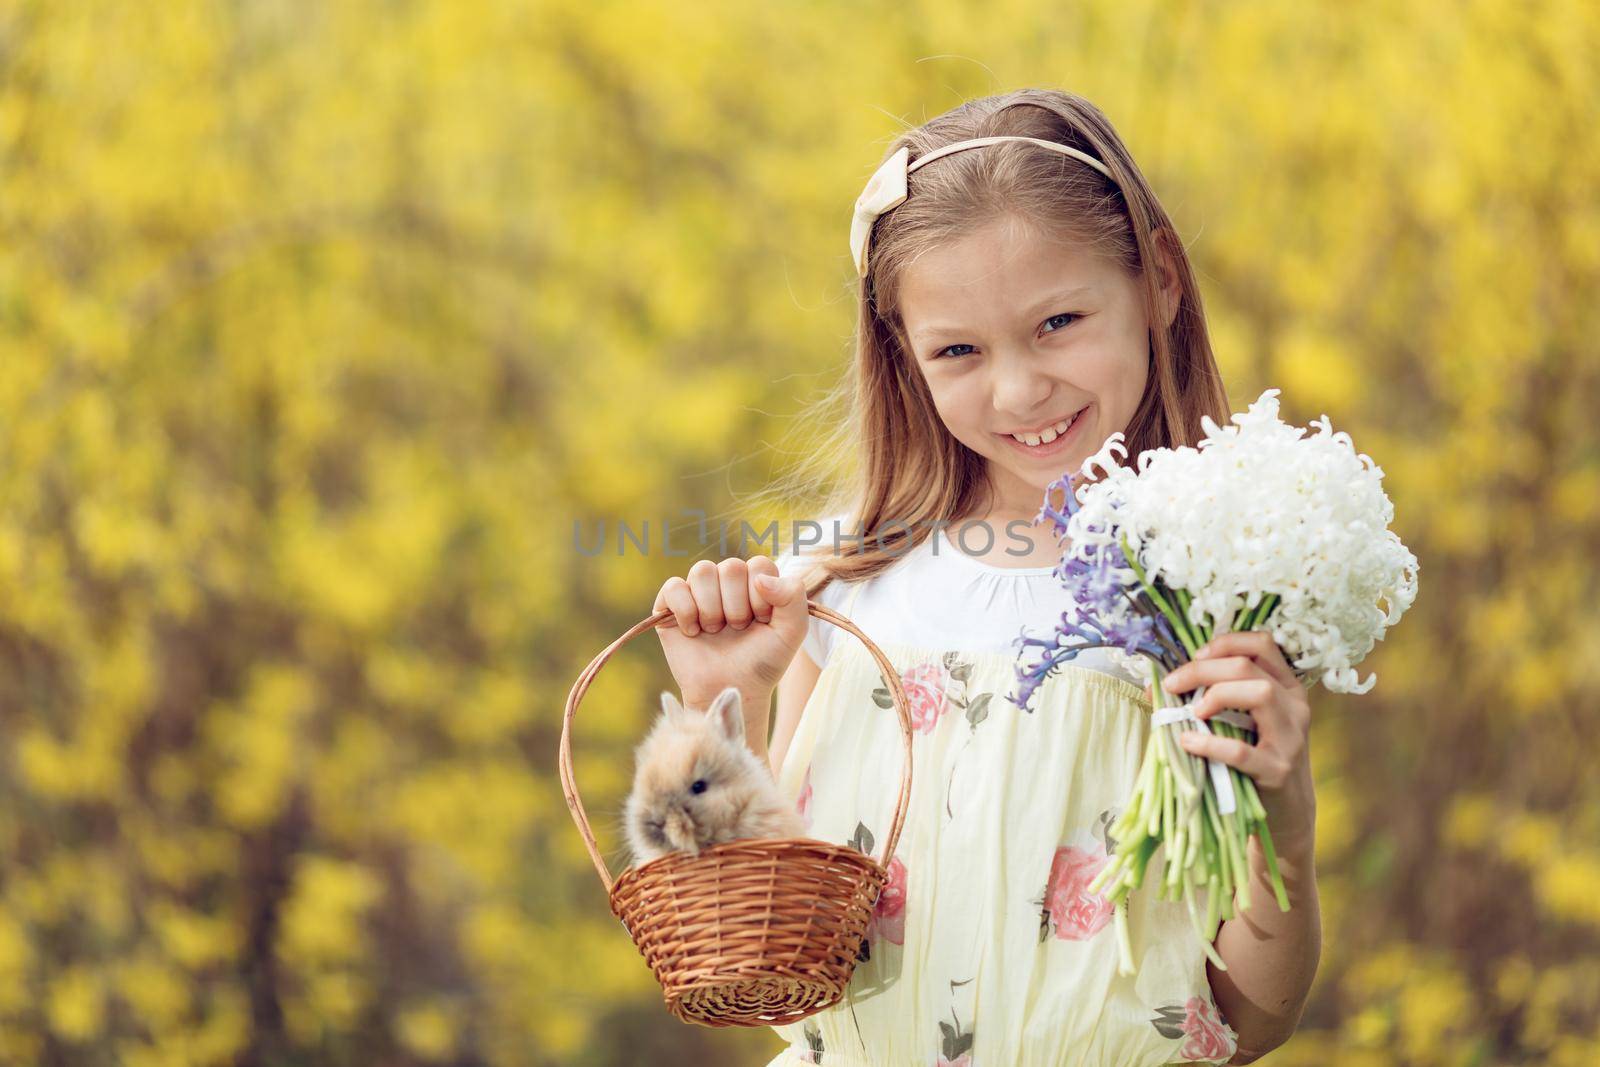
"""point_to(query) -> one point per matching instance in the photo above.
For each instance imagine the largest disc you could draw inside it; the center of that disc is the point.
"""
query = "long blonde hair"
(912, 470)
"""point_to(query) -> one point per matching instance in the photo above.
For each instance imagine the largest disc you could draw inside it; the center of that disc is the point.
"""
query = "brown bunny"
(697, 784)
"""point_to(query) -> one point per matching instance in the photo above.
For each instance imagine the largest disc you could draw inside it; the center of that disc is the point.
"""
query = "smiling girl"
(1023, 296)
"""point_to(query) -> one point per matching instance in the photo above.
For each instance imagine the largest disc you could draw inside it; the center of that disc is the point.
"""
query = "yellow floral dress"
(986, 949)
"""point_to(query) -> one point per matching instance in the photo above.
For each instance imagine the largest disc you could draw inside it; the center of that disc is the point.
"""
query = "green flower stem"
(1202, 634)
(1188, 901)
(1141, 859)
(1253, 619)
(1179, 626)
(1241, 855)
(1176, 870)
(1271, 854)
(1173, 808)
(1175, 804)
(1182, 767)
(1221, 865)
(1190, 889)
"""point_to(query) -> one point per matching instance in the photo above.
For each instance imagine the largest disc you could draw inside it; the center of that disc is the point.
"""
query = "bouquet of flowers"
(1258, 528)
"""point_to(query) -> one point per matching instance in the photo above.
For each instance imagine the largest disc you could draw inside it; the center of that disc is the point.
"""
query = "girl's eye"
(951, 354)
(699, 786)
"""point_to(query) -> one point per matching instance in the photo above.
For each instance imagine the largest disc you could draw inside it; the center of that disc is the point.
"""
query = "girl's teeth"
(1050, 434)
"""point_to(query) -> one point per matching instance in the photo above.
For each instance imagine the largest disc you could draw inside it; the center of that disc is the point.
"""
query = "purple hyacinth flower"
(1103, 596)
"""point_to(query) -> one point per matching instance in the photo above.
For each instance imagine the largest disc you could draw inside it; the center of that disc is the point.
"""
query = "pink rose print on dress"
(888, 919)
(889, 913)
(1067, 908)
(925, 686)
(1207, 1037)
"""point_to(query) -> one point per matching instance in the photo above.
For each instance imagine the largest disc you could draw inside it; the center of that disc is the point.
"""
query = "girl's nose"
(1017, 389)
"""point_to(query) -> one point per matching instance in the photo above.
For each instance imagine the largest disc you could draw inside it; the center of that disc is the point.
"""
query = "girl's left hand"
(1245, 670)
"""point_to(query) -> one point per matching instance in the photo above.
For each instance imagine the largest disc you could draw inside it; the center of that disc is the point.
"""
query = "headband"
(887, 189)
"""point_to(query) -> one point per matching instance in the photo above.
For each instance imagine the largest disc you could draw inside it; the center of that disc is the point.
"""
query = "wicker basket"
(759, 932)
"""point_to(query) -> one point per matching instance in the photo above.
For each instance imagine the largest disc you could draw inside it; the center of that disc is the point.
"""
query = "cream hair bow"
(887, 188)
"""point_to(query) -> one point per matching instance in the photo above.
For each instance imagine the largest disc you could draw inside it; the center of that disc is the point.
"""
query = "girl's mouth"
(1048, 443)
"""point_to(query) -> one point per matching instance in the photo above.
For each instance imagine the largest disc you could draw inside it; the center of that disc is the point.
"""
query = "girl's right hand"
(733, 624)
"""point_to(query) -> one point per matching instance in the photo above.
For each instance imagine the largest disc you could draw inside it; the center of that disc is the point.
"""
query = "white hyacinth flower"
(1261, 507)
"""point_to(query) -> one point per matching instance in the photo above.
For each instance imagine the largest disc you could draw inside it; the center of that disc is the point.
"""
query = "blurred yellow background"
(322, 324)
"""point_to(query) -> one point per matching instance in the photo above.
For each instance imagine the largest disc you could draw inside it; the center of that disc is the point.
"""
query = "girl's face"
(1018, 335)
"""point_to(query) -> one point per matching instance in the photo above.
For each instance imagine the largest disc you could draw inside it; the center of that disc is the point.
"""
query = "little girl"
(1019, 302)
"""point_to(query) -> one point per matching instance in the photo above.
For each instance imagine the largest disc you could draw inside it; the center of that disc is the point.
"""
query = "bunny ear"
(671, 709)
(727, 714)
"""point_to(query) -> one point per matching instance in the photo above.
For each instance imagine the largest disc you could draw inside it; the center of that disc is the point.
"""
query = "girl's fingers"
(1200, 672)
(733, 579)
(1239, 682)
(676, 596)
(715, 595)
(1269, 770)
(1259, 646)
(1256, 696)
(705, 582)
(759, 604)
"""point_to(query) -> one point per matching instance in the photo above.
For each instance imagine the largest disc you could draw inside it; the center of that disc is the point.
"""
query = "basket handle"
(569, 784)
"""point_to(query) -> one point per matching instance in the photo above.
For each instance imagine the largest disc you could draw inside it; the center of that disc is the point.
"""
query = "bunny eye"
(699, 786)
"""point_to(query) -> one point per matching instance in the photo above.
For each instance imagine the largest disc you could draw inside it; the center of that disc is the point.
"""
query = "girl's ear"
(1167, 280)
(727, 714)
